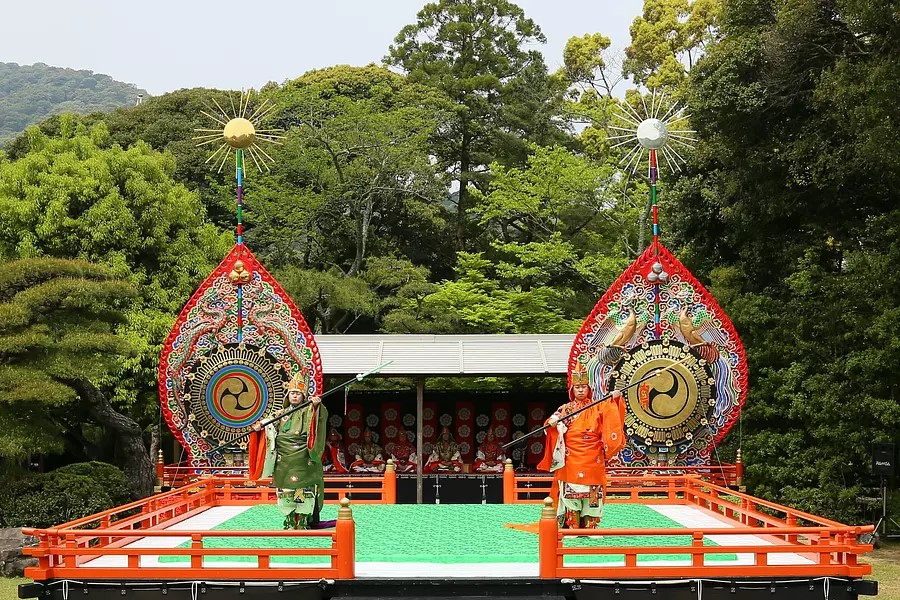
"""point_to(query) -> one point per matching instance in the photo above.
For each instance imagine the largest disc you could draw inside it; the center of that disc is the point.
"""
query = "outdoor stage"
(674, 536)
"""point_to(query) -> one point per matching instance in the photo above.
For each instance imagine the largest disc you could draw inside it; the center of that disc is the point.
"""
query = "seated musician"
(445, 457)
(334, 460)
(404, 453)
(490, 456)
(369, 456)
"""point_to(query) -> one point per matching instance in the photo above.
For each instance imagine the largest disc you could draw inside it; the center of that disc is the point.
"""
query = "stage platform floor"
(451, 540)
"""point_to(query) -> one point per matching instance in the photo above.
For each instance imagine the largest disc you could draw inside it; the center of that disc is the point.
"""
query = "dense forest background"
(462, 187)
(31, 93)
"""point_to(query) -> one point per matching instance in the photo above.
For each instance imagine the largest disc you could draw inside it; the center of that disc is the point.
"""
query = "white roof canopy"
(446, 355)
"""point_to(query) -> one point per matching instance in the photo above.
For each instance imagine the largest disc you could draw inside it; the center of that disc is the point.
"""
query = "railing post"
(852, 548)
(697, 542)
(547, 540)
(105, 523)
(509, 482)
(751, 507)
(389, 483)
(42, 570)
(160, 471)
(345, 539)
(791, 522)
(824, 548)
(196, 543)
(690, 497)
(69, 559)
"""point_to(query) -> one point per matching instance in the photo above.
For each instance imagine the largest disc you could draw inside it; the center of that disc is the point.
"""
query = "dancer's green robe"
(294, 460)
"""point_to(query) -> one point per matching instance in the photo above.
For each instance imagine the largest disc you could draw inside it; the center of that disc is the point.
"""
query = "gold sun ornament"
(240, 130)
(651, 132)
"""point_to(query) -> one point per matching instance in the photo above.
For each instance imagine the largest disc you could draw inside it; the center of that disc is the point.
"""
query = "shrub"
(110, 477)
(72, 492)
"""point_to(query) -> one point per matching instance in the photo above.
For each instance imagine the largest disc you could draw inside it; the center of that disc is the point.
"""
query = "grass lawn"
(9, 587)
(886, 570)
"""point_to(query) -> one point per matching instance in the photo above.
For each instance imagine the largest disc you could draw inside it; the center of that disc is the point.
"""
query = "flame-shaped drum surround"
(213, 386)
(680, 416)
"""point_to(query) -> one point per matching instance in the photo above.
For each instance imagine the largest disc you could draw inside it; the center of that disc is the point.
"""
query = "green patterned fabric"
(296, 465)
(451, 534)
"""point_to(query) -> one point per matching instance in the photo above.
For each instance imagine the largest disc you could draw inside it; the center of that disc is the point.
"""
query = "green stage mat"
(449, 533)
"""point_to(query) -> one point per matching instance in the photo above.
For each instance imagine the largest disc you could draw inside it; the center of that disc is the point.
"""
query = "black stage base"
(833, 588)
(460, 488)
(451, 489)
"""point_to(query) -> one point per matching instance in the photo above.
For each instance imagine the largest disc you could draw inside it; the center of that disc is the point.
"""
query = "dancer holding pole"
(292, 453)
(293, 457)
(582, 435)
(577, 448)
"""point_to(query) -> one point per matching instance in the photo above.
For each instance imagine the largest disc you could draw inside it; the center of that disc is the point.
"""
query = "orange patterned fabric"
(585, 453)
(256, 453)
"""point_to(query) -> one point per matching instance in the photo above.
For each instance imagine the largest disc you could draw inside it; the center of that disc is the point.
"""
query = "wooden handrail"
(62, 552)
(377, 489)
(831, 546)
(834, 549)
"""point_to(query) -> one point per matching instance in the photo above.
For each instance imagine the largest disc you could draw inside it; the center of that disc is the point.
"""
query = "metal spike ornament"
(657, 314)
(240, 339)
(240, 131)
(657, 131)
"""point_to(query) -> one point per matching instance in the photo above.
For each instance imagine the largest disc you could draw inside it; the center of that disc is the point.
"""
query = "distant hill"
(29, 94)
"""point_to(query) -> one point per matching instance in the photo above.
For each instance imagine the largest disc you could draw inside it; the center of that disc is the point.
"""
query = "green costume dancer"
(295, 444)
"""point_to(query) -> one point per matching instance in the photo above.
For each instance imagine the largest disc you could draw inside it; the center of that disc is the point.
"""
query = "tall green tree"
(592, 73)
(80, 196)
(790, 210)
(589, 63)
(475, 52)
(352, 183)
(667, 40)
(563, 230)
(58, 347)
(166, 123)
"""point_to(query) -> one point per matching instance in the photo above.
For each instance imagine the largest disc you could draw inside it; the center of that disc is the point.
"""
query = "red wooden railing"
(65, 551)
(831, 547)
(521, 488)
(361, 489)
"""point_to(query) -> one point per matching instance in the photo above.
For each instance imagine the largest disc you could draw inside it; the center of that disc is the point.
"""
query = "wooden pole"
(547, 532)
(345, 534)
(509, 482)
(420, 409)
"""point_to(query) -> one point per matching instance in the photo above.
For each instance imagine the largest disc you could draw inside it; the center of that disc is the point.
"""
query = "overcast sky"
(164, 45)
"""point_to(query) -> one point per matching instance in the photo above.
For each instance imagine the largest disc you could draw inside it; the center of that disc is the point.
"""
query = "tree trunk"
(462, 204)
(155, 441)
(131, 452)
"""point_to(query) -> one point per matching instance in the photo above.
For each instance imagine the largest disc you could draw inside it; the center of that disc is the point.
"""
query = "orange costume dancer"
(445, 457)
(334, 459)
(404, 453)
(369, 456)
(577, 450)
(490, 457)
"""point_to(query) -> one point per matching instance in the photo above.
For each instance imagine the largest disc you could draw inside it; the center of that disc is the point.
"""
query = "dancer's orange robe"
(592, 437)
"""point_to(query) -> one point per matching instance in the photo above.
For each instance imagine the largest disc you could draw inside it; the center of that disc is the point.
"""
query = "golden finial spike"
(239, 131)
(221, 110)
